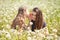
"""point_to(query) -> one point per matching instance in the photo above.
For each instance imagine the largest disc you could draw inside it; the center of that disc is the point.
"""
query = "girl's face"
(33, 15)
(25, 12)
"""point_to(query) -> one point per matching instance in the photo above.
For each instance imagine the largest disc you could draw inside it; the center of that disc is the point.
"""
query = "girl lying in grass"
(20, 19)
(36, 18)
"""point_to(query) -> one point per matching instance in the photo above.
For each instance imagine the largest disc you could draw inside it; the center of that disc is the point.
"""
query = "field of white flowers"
(51, 13)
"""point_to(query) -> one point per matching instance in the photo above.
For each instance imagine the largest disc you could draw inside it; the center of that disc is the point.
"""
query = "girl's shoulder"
(44, 24)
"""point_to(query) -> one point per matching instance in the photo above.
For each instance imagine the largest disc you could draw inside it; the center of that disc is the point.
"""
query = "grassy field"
(51, 14)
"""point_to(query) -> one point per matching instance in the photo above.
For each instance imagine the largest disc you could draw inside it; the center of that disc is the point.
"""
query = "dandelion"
(0, 20)
(37, 31)
(33, 32)
(34, 36)
(29, 38)
(3, 31)
(55, 36)
(29, 29)
(5, 19)
(54, 30)
(29, 34)
(34, 39)
(41, 35)
(12, 30)
(49, 37)
(8, 35)
(0, 32)
(18, 33)
(15, 32)
(8, 26)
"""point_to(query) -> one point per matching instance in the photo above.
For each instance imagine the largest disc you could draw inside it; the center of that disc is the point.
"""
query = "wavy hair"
(39, 18)
(17, 20)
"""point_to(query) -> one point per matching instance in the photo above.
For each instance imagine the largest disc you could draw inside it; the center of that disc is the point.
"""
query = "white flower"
(29, 28)
(5, 19)
(41, 35)
(15, 32)
(31, 23)
(8, 35)
(12, 30)
(51, 34)
(34, 36)
(3, 31)
(8, 26)
(37, 31)
(29, 34)
(54, 30)
(0, 32)
(56, 36)
(33, 32)
(29, 38)
(49, 37)
(29, 31)
(34, 39)
(18, 33)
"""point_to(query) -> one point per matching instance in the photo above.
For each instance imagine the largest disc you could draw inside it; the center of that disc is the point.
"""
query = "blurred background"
(50, 9)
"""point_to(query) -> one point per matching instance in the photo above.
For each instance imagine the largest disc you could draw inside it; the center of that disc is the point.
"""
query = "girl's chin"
(33, 19)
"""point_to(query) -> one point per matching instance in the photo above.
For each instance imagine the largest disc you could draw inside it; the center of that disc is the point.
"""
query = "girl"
(20, 19)
(37, 19)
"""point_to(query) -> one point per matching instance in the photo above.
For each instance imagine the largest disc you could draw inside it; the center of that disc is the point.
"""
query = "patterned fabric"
(33, 26)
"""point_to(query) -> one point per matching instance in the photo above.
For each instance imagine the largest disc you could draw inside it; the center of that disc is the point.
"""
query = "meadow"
(51, 14)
